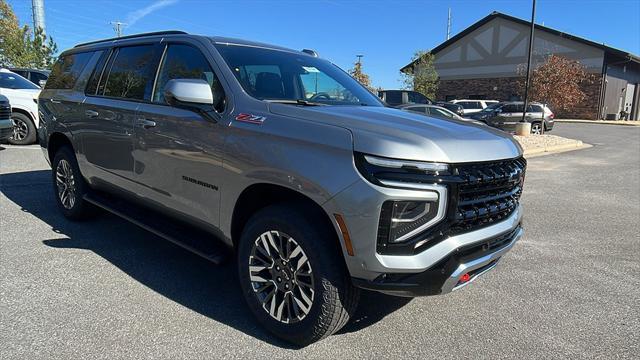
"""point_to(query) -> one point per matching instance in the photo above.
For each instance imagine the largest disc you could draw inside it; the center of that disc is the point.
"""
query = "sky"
(387, 33)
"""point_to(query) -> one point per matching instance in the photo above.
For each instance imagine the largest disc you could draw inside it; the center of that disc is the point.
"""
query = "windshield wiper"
(295, 102)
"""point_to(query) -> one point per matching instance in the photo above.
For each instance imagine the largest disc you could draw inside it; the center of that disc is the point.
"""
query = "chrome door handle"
(91, 114)
(55, 101)
(145, 123)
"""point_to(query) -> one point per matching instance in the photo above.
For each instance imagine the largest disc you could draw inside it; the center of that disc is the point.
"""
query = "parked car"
(38, 77)
(436, 111)
(271, 151)
(506, 115)
(473, 106)
(396, 98)
(23, 96)
(6, 124)
(455, 108)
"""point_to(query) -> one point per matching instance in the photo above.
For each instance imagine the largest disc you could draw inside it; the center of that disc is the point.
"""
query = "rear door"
(511, 114)
(178, 152)
(114, 94)
(62, 97)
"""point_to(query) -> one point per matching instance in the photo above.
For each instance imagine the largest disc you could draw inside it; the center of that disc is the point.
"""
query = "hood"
(398, 134)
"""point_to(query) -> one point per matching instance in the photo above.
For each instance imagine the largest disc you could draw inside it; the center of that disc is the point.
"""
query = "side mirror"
(498, 110)
(188, 92)
(42, 83)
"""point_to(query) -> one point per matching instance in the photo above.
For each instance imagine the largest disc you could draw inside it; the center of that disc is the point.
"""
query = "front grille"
(488, 193)
(5, 112)
(481, 194)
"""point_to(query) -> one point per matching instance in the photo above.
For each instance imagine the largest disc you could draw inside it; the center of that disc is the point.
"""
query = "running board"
(190, 238)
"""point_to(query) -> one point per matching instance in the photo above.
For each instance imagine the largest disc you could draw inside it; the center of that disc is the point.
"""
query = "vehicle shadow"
(211, 290)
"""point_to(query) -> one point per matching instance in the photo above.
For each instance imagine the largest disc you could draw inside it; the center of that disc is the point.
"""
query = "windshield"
(443, 112)
(491, 107)
(14, 81)
(275, 75)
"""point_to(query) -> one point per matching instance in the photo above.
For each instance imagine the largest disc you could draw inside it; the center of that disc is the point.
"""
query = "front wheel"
(292, 275)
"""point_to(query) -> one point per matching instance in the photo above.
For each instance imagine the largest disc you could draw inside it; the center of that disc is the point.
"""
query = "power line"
(117, 27)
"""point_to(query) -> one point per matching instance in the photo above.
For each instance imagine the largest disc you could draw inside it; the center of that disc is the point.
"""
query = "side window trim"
(158, 70)
(109, 66)
(106, 53)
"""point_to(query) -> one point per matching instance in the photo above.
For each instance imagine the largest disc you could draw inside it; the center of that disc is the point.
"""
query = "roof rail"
(170, 32)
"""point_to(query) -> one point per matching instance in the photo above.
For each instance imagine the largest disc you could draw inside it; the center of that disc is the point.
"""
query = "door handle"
(91, 114)
(145, 123)
(55, 101)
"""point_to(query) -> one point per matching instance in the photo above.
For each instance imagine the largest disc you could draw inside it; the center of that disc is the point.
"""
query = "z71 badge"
(252, 119)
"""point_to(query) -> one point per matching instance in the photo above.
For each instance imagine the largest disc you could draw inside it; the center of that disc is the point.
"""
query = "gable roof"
(608, 49)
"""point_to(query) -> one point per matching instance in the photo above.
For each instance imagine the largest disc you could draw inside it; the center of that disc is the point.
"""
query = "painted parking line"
(25, 147)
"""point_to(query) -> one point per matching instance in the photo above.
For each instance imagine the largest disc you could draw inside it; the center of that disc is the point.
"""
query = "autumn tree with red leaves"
(557, 82)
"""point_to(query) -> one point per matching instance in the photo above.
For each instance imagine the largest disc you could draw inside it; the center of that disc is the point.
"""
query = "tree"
(422, 76)
(357, 73)
(557, 82)
(21, 47)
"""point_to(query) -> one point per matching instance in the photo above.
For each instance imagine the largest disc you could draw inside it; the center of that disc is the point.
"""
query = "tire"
(536, 128)
(69, 187)
(333, 299)
(24, 131)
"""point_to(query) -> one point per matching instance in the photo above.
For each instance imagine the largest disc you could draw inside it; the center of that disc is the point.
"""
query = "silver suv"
(293, 166)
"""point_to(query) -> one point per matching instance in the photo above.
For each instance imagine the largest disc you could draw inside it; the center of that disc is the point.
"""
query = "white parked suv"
(474, 106)
(23, 96)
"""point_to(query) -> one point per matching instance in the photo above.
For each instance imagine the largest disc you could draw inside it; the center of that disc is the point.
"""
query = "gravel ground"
(106, 289)
(539, 142)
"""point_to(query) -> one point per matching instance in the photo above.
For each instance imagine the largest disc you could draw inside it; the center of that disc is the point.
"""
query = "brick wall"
(505, 89)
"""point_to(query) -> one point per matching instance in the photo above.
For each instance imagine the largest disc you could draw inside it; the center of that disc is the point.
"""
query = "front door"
(178, 152)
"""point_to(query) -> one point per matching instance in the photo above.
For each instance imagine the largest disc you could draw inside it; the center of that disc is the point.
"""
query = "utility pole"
(359, 56)
(449, 24)
(117, 27)
(526, 82)
(37, 9)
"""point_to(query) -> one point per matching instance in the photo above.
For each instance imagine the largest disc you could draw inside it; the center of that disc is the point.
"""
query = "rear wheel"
(292, 275)
(69, 186)
(536, 128)
(24, 130)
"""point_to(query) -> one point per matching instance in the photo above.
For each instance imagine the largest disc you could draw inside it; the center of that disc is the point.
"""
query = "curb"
(548, 150)
(600, 122)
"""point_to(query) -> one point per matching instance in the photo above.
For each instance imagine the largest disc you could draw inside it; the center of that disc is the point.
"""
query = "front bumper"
(445, 276)
(6, 129)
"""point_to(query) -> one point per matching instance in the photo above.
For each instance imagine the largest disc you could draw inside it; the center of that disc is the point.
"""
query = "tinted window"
(187, 62)
(66, 70)
(14, 81)
(36, 77)
(534, 108)
(98, 71)
(417, 98)
(513, 108)
(393, 97)
(470, 104)
(24, 74)
(441, 113)
(421, 109)
(132, 72)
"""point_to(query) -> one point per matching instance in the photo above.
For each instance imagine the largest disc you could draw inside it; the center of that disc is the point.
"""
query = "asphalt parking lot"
(107, 289)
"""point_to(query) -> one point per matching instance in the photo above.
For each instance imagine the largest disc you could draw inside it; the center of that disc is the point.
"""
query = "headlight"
(399, 173)
(399, 220)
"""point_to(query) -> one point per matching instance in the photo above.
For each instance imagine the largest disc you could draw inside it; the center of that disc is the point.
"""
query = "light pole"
(526, 82)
